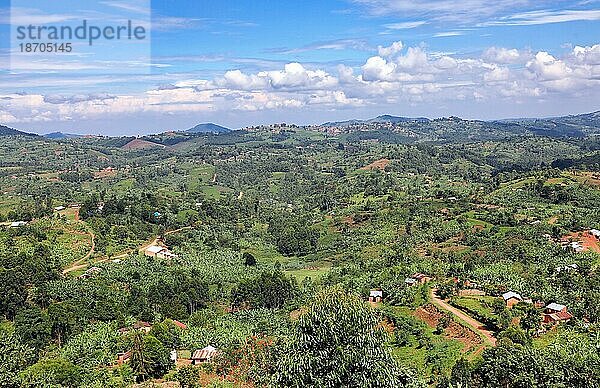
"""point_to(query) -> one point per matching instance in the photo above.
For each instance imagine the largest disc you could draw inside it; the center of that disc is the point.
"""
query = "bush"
(51, 372)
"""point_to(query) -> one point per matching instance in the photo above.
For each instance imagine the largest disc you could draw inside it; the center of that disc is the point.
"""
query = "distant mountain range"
(208, 128)
(419, 128)
(7, 131)
(60, 135)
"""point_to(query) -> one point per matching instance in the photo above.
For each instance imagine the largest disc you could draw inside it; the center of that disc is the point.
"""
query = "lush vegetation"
(279, 234)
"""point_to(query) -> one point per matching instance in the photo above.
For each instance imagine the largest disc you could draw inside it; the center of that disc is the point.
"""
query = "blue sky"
(242, 63)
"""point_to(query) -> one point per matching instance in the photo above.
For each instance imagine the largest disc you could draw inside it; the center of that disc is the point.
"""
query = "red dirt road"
(475, 324)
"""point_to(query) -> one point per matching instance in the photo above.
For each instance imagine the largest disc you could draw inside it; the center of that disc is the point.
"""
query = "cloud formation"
(397, 74)
(442, 9)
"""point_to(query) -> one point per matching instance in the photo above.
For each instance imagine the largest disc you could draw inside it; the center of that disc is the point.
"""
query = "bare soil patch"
(432, 315)
(586, 239)
(380, 164)
(139, 144)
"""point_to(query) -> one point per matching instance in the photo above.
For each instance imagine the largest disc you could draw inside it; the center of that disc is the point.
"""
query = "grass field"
(476, 303)
(301, 274)
(200, 176)
(8, 204)
(69, 213)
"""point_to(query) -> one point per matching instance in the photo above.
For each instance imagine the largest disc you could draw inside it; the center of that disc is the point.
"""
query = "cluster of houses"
(199, 356)
(105, 172)
(573, 242)
(376, 294)
(553, 313)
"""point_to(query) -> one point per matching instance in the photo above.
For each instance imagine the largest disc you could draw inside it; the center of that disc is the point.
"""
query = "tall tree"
(339, 342)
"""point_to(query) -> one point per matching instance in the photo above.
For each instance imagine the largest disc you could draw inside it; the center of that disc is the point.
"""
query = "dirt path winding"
(81, 263)
(475, 324)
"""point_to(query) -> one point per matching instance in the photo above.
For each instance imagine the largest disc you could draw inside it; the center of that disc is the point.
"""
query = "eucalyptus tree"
(339, 341)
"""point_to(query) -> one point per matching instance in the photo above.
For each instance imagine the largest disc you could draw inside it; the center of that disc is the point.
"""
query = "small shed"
(123, 357)
(153, 250)
(139, 325)
(142, 326)
(90, 272)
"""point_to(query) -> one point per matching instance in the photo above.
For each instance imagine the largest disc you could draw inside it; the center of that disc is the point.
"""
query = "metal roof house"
(204, 355)
(159, 252)
(555, 313)
(511, 298)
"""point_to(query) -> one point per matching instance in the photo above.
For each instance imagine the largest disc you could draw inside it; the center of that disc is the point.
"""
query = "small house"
(375, 296)
(539, 304)
(576, 246)
(18, 224)
(511, 298)
(59, 208)
(471, 285)
(421, 278)
(159, 252)
(201, 356)
(595, 233)
(555, 313)
(410, 281)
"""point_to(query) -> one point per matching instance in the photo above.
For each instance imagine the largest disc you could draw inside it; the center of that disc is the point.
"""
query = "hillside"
(7, 131)
(456, 129)
(139, 144)
(378, 119)
(61, 135)
(418, 228)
